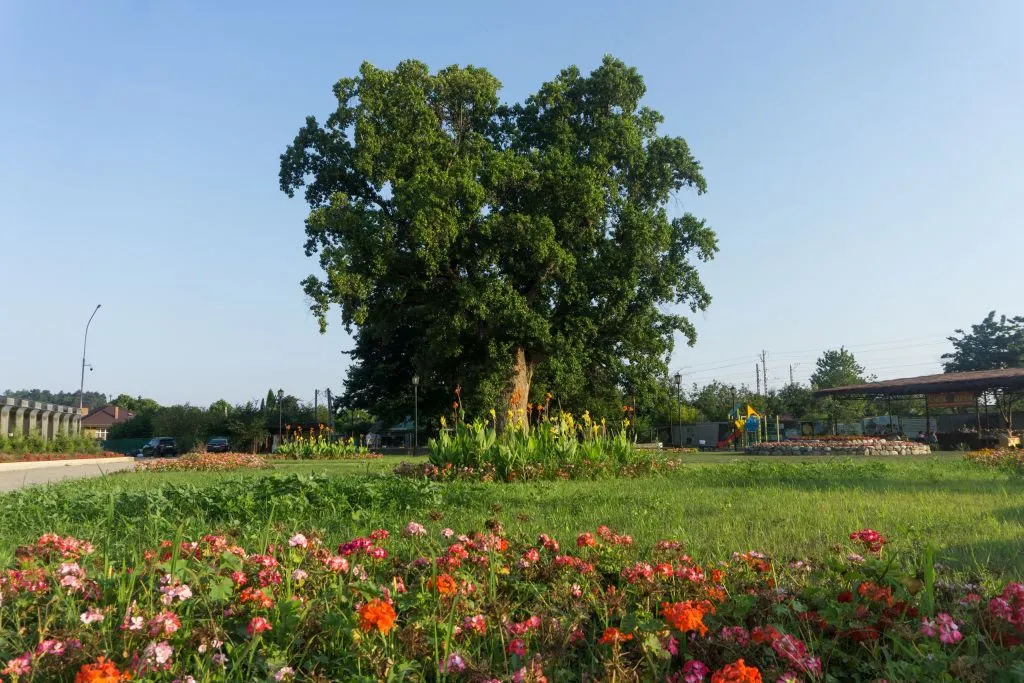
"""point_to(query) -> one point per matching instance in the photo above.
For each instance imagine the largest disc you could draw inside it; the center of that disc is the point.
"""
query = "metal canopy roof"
(1010, 379)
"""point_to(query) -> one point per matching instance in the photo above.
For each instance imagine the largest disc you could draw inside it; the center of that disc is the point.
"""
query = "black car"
(159, 447)
(218, 444)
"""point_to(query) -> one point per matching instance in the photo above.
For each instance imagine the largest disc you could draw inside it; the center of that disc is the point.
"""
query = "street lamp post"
(415, 414)
(280, 401)
(81, 385)
(679, 404)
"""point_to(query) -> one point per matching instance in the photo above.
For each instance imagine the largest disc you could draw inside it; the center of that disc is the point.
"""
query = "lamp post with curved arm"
(81, 385)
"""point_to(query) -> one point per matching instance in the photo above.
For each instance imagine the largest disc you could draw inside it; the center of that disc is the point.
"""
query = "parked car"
(218, 444)
(159, 447)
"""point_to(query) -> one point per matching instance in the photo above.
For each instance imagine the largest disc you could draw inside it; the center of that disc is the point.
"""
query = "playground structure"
(748, 425)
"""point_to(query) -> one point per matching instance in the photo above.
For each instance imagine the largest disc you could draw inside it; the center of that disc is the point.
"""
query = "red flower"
(377, 614)
(685, 616)
(845, 596)
(257, 625)
(737, 672)
(613, 636)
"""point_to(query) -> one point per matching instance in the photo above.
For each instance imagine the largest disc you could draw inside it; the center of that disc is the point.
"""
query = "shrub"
(33, 442)
(319, 444)
(554, 447)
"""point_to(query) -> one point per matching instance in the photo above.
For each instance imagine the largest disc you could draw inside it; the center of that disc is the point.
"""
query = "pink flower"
(788, 677)
(19, 666)
(239, 578)
(258, 625)
(447, 533)
(285, 673)
(735, 634)
(454, 664)
(415, 529)
(694, 671)
(298, 541)
(476, 623)
(928, 628)
(164, 623)
(379, 534)
(158, 654)
(220, 659)
(576, 591)
(949, 632)
(55, 648)
(299, 576)
(91, 616)
(336, 564)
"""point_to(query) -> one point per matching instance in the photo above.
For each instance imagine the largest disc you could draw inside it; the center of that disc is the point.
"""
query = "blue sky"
(862, 161)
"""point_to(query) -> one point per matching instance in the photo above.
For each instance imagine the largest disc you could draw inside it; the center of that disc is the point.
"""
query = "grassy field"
(716, 504)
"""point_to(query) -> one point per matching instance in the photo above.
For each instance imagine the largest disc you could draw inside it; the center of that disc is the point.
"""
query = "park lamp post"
(280, 400)
(415, 415)
(679, 405)
(81, 385)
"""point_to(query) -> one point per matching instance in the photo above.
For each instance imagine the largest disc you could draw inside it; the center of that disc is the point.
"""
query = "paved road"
(19, 478)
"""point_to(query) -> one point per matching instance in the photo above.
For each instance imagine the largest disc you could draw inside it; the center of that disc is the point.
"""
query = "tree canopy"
(837, 368)
(992, 344)
(499, 247)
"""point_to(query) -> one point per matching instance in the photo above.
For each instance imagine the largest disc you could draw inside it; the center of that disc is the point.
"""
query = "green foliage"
(715, 399)
(33, 442)
(473, 242)
(992, 344)
(135, 405)
(836, 368)
(319, 444)
(557, 446)
(92, 399)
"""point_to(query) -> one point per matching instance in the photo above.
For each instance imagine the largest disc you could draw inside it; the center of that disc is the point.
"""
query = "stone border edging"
(41, 464)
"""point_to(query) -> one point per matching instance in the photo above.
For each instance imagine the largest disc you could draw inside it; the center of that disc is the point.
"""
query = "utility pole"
(330, 411)
(757, 372)
(764, 370)
(316, 406)
(791, 374)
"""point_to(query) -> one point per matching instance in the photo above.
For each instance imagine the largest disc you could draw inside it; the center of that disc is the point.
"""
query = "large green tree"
(837, 368)
(992, 344)
(482, 244)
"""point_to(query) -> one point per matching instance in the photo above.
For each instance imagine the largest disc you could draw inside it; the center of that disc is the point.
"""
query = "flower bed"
(206, 462)
(318, 443)
(1010, 458)
(47, 457)
(484, 607)
(844, 446)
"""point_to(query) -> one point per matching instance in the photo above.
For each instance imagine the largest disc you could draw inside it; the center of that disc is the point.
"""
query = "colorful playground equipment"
(747, 422)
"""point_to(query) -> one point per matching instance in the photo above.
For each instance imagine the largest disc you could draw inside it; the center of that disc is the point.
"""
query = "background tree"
(795, 400)
(483, 245)
(992, 344)
(837, 368)
(91, 399)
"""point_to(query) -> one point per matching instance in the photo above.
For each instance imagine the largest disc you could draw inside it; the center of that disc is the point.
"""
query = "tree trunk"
(518, 393)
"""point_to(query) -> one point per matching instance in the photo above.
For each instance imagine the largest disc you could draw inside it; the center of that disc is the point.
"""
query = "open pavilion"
(948, 390)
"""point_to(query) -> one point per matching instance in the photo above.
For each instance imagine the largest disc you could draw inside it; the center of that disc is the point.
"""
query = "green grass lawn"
(790, 507)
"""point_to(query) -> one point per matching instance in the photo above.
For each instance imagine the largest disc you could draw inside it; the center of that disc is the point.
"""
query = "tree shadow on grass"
(1001, 559)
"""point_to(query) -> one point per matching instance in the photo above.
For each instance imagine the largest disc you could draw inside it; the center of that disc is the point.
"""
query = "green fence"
(124, 445)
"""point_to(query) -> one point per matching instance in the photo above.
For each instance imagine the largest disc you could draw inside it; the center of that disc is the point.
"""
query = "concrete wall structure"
(18, 417)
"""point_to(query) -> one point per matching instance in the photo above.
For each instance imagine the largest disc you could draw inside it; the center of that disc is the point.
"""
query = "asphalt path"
(17, 479)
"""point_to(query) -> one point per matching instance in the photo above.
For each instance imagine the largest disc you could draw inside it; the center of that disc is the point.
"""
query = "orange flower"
(103, 671)
(444, 584)
(613, 636)
(685, 616)
(737, 672)
(377, 614)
